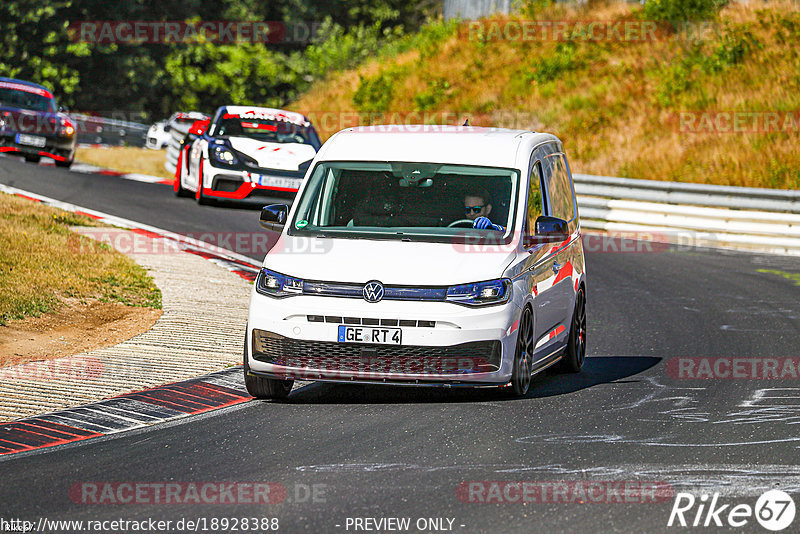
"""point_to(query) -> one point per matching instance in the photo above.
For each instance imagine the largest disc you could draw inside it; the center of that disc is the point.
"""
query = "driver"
(477, 207)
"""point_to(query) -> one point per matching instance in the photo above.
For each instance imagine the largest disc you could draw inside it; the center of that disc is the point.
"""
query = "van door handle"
(556, 267)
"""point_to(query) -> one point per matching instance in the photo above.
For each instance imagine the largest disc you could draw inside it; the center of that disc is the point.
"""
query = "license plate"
(366, 334)
(276, 181)
(31, 140)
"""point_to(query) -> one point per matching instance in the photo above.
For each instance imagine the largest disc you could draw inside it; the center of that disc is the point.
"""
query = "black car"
(32, 124)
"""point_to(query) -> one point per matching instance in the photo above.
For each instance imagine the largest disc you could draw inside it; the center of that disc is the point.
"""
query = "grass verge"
(42, 263)
(126, 159)
(616, 104)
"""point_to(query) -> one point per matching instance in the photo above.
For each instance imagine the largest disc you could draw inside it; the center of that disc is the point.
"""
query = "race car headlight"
(278, 285)
(223, 155)
(480, 293)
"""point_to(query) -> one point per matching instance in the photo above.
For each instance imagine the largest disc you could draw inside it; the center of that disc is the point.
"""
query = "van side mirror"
(551, 227)
(273, 217)
(548, 230)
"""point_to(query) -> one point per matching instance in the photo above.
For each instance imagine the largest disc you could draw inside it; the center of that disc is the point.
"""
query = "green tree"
(152, 80)
(34, 45)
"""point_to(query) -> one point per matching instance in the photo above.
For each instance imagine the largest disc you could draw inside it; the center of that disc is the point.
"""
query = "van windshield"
(406, 201)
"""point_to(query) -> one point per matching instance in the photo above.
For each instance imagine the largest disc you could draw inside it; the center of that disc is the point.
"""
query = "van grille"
(365, 321)
(350, 290)
(465, 358)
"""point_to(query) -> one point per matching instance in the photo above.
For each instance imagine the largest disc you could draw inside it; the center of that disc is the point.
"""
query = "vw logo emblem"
(373, 291)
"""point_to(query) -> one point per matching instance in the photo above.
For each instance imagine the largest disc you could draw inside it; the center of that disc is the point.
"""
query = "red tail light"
(67, 127)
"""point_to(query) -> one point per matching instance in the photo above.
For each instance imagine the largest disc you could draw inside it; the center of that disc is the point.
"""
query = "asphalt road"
(153, 204)
(405, 452)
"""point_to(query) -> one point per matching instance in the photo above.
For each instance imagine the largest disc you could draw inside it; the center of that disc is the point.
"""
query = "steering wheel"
(465, 223)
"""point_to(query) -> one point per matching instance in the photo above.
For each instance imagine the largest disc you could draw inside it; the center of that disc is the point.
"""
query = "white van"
(422, 255)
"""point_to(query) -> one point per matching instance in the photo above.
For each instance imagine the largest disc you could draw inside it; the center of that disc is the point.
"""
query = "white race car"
(247, 151)
(157, 136)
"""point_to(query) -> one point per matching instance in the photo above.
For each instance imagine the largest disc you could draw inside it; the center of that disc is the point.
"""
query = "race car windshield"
(16, 98)
(406, 201)
(267, 130)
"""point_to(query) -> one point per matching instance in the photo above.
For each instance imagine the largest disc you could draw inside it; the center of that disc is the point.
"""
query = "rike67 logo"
(774, 510)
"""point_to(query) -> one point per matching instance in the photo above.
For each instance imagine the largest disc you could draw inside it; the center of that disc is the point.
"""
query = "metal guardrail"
(684, 193)
(93, 130)
(473, 9)
(765, 220)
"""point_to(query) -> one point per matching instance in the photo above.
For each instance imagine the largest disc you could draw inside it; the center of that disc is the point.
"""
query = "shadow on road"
(598, 370)
(250, 204)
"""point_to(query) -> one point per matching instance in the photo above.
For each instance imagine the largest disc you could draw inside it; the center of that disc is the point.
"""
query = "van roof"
(468, 145)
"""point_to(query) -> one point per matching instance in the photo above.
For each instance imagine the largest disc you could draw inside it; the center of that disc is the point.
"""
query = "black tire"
(33, 159)
(179, 190)
(177, 187)
(265, 388)
(64, 164)
(521, 375)
(199, 196)
(574, 356)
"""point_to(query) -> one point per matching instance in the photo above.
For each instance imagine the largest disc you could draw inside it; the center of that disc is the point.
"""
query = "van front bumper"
(448, 344)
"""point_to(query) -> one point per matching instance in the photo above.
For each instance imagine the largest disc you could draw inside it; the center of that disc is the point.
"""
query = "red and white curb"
(125, 412)
(143, 408)
(236, 263)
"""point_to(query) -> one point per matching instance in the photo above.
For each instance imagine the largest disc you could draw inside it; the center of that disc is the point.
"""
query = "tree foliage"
(681, 12)
(152, 80)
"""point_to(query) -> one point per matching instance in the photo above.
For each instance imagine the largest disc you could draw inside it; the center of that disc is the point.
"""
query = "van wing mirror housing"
(273, 217)
(548, 230)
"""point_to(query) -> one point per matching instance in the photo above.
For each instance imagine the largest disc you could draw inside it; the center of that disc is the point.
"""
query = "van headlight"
(480, 293)
(278, 285)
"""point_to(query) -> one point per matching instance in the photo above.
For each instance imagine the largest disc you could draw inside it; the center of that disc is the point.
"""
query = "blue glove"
(483, 223)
